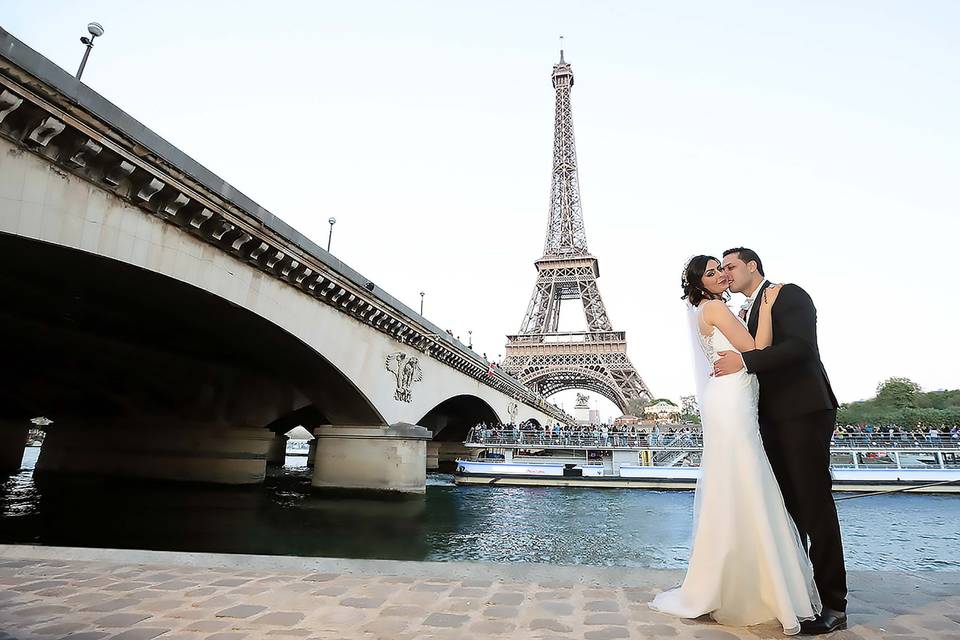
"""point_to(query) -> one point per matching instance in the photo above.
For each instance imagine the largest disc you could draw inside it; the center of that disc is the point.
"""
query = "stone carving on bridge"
(407, 371)
(150, 189)
(512, 410)
(8, 103)
(84, 152)
(46, 131)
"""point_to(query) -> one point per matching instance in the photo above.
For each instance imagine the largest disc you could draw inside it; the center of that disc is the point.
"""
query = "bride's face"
(714, 280)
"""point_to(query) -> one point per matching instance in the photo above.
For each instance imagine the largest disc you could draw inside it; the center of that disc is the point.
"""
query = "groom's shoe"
(827, 622)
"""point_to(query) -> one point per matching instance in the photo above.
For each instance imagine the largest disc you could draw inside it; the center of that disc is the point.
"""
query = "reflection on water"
(282, 517)
(625, 527)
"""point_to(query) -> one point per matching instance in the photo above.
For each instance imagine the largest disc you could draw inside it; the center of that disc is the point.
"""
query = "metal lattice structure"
(540, 356)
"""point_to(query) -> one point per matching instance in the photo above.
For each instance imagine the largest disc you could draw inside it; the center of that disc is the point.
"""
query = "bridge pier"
(182, 453)
(371, 459)
(13, 439)
(433, 456)
(312, 453)
(447, 454)
(277, 453)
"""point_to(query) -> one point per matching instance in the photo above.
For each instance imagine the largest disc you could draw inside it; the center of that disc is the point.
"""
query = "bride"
(747, 564)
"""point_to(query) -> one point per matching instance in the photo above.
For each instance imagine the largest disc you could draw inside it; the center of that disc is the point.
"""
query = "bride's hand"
(770, 294)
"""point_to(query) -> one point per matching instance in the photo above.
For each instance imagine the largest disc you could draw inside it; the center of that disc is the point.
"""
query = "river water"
(624, 527)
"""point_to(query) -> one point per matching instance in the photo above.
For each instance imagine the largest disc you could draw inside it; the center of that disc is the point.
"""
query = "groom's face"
(739, 275)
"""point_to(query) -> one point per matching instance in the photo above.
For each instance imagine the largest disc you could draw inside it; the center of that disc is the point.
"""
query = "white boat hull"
(649, 477)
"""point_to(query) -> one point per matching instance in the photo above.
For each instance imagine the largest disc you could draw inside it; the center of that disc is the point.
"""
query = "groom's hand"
(729, 362)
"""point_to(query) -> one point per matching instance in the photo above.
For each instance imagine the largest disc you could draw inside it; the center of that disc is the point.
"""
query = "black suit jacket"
(792, 379)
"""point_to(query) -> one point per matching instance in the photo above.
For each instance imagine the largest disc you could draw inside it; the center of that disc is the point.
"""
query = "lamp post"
(332, 222)
(421, 303)
(95, 30)
(470, 334)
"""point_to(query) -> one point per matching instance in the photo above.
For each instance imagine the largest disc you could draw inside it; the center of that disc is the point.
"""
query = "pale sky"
(823, 134)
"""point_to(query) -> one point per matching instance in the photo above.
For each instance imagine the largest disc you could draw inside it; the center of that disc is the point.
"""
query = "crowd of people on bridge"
(894, 435)
(601, 435)
(604, 435)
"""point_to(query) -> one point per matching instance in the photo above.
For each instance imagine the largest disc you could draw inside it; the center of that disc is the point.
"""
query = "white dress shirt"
(752, 298)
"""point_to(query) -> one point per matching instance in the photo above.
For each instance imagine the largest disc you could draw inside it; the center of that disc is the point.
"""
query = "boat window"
(919, 460)
(841, 460)
(876, 459)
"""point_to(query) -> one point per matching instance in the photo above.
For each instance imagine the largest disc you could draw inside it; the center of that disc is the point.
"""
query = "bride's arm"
(717, 314)
(765, 325)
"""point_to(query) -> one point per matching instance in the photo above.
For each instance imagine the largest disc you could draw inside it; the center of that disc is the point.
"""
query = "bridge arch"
(549, 382)
(451, 419)
(162, 348)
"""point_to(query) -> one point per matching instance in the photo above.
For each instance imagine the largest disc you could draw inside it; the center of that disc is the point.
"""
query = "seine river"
(566, 526)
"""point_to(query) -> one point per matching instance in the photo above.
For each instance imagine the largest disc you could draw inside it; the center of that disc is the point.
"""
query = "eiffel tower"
(540, 356)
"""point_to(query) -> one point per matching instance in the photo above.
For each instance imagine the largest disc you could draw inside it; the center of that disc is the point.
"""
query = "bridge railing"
(579, 439)
(679, 441)
(904, 441)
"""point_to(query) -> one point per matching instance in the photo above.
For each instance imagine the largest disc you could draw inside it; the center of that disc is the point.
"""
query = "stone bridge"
(173, 329)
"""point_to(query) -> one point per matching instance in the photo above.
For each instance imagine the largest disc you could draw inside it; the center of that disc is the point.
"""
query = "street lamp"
(332, 222)
(470, 333)
(95, 30)
(421, 303)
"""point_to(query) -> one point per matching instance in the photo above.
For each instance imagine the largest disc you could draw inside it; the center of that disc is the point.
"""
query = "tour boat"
(650, 461)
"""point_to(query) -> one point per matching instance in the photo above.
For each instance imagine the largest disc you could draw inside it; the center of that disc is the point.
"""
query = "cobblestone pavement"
(88, 594)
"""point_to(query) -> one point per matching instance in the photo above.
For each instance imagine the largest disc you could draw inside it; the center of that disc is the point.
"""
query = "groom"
(798, 412)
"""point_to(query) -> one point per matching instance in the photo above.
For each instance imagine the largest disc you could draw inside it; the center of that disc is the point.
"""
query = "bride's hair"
(692, 280)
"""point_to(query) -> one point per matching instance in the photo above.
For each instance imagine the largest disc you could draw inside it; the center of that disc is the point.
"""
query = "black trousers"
(799, 452)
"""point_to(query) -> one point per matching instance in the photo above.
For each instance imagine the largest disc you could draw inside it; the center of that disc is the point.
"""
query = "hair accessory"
(683, 274)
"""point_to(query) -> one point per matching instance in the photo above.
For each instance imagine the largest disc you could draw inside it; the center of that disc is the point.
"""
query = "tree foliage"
(899, 393)
(635, 406)
(689, 410)
(902, 402)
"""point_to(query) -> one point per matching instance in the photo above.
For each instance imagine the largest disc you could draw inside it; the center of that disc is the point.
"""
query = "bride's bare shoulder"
(711, 308)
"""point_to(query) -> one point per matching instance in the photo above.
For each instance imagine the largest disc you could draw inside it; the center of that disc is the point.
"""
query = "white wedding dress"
(747, 564)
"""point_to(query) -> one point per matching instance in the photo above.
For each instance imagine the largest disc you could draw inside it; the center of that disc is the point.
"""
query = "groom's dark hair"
(746, 255)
